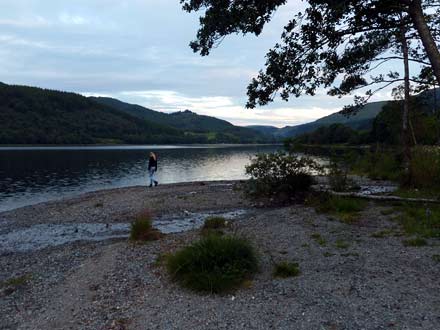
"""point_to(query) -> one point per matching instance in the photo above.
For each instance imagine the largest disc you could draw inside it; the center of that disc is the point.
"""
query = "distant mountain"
(189, 121)
(30, 115)
(268, 130)
(363, 119)
(429, 100)
(385, 127)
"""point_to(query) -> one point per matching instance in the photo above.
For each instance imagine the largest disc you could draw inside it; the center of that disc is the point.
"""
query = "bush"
(286, 269)
(338, 176)
(280, 173)
(380, 165)
(214, 264)
(142, 230)
(424, 169)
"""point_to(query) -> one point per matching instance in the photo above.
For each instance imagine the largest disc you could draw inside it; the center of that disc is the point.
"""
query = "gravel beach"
(74, 267)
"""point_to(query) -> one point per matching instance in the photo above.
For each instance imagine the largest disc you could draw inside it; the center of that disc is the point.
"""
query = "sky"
(137, 51)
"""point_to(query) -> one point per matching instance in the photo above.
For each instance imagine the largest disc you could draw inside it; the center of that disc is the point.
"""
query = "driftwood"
(384, 197)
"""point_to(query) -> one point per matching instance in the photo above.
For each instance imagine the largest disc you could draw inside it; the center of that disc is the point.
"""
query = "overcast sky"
(137, 51)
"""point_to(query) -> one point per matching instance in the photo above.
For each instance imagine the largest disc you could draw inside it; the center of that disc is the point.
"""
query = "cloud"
(137, 51)
(70, 19)
(223, 107)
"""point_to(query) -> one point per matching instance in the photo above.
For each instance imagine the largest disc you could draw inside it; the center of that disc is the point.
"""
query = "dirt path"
(74, 297)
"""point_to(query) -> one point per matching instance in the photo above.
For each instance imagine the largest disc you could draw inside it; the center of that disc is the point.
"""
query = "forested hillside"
(30, 115)
(209, 129)
(424, 118)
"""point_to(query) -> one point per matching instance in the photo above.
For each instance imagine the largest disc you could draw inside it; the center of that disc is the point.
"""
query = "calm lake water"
(36, 174)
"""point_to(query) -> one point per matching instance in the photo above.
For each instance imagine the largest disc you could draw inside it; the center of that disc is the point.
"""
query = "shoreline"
(369, 283)
(121, 205)
(95, 193)
(113, 146)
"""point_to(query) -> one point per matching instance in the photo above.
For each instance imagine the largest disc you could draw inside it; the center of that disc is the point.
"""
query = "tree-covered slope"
(361, 120)
(216, 130)
(30, 115)
(265, 129)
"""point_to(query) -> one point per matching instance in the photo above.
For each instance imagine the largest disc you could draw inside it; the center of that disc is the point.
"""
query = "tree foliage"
(337, 45)
(333, 134)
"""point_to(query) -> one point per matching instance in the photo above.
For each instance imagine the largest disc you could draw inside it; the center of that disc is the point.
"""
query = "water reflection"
(32, 175)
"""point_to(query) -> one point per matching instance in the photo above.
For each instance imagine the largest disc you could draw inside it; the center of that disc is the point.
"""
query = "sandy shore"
(110, 283)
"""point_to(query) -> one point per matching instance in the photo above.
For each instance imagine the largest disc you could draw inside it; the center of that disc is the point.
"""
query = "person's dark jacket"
(152, 163)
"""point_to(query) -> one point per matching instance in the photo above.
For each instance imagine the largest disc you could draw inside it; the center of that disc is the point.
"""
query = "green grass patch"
(418, 241)
(161, 259)
(16, 281)
(436, 257)
(286, 269)
(387, 211)
(215, 264)
(319, 239)
(341, 244)
(418, 193)
(382, 233)
(345, 209)
(215, 223)
(421, 221)
(214, 226)
(142, 229)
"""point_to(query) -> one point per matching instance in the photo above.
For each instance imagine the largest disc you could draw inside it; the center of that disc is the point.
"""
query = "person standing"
(152, 168)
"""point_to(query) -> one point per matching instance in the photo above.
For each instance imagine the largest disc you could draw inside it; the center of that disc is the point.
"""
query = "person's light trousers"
(152, 175)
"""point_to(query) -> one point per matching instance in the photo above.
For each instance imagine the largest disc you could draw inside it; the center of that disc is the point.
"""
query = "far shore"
(177, 145)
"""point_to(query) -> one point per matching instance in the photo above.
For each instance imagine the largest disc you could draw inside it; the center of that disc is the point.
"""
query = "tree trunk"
(405, 112)
(418, 18)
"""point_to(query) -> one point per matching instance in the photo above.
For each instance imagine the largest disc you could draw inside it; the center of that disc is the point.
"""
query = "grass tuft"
(142, 229)
(418, 241)
(382, 233)
(340, 244)
(214, 226)
(161, 259)
(286, 269)
(319, 239)
(16, 281)
(420, 221)
(345, 209)
(215, 223)
(214, 264)
(387, 211)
